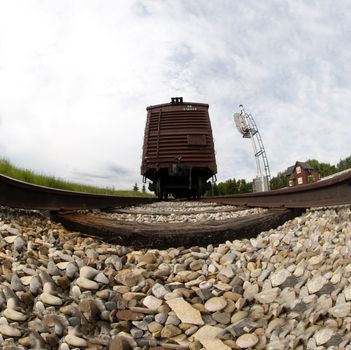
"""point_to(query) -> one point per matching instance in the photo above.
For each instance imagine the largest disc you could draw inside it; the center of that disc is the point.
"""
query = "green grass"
(8, 169)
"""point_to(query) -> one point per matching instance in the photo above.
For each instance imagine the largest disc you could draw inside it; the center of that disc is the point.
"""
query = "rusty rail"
(332, 191)
(19, 194)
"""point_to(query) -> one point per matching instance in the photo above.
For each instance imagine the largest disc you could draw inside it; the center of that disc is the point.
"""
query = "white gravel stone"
(88, 272)
(10, 239)
(9, 331)
(267, 296)
(250, 290)
(341, 310)
(215, 304)
(315, 260)
(247, 340)
(19, 243)
(63, 265)
(152, 303)
(76, 341)
(279, 277)
(49, 299)
(208, 337)
(347, 293)
(275, 323)
(87, 284)
(101, 278)
(227, 271)
(323, 335)
(14, 315)
(159, 291)
(316, 284)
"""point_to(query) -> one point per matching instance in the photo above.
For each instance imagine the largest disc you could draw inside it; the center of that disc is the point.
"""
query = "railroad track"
(283, 205)
(19, 194)
(335, 190)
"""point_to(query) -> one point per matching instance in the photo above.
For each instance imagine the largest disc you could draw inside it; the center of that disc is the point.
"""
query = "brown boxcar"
(178, 152)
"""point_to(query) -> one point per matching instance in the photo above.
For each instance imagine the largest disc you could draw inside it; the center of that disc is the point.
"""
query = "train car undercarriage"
(180, 181)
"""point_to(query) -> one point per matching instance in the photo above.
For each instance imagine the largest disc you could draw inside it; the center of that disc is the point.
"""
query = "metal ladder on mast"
(262, 151)
(246, 125)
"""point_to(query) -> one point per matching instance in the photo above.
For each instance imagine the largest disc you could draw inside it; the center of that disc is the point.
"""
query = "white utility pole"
(246, 125)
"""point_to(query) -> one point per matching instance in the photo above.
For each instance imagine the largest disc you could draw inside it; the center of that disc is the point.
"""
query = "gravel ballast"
(287, 288)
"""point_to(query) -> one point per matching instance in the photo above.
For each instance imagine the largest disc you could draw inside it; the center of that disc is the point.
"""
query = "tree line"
(233, 186)
(230, 186)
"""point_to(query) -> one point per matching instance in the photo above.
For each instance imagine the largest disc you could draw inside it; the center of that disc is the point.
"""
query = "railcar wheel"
(159, 190)
(199, 187)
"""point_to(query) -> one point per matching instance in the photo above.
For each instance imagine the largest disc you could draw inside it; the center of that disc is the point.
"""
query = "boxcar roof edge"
(177, 104)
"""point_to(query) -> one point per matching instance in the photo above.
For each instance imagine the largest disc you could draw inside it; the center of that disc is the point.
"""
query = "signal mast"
(246, 125)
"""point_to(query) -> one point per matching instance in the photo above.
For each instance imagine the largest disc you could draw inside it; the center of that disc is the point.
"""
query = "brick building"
(301, 174)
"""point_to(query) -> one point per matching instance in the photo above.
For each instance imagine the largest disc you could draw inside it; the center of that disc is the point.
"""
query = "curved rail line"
(332, 191)
(291, 201)
(18, 194)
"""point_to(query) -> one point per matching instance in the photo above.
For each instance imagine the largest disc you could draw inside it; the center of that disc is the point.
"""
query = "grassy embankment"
(6, 168)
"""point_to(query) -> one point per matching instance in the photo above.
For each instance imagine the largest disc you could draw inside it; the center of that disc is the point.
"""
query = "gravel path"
(289, 288)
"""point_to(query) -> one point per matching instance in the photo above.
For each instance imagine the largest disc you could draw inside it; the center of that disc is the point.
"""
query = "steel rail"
(18, 194)
(335, 190)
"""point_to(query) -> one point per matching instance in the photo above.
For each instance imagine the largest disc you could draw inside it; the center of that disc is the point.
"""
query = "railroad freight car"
(178, 152)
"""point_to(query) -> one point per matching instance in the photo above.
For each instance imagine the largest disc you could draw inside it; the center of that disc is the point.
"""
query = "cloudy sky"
(77, 75)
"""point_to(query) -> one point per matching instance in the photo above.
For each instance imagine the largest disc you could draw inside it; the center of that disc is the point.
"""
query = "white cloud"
(76, 77)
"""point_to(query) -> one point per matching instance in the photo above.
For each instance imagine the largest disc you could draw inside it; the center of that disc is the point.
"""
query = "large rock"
(152, 303)
(341, 310)
(88, 272)
(323, 335)
(85, 283)
(315, 284)
(267, 296)
(159, 291)
(247, 340)
(185, 312)
(127, 277)
(250, 290)
(14, 315)
(215, 304)
(9, 331)
(208, 337)
(76, 341)
(279, 277)
(49, 299)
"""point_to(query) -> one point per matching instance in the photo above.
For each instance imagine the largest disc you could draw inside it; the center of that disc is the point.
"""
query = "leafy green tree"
(135, 188)
(143, 189)
(279, 181)
(325, 169)
(243, 186)
(344, 164)
(230, 186)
